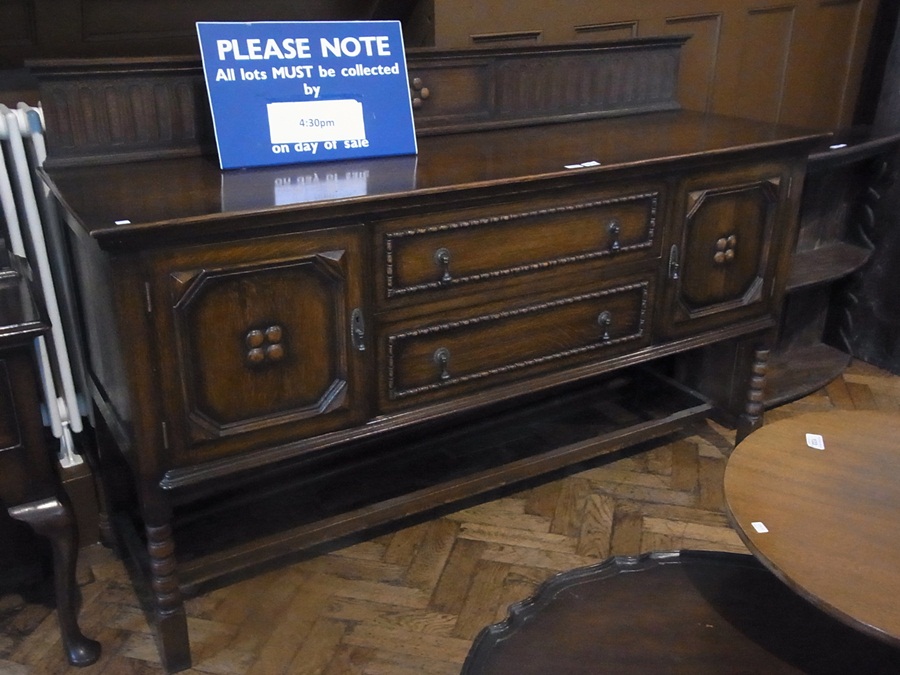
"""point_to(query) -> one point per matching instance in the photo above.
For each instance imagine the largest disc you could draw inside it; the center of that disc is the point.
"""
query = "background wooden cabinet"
(801, 62)
(797, 62)
(77, 28)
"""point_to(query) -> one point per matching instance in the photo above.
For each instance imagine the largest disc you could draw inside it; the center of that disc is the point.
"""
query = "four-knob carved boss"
(264, 345)
(419, 92)
(725, 249)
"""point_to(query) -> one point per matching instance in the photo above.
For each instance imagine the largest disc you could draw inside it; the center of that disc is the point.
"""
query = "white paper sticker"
(760, 527)
(316, 121)
(815, 441)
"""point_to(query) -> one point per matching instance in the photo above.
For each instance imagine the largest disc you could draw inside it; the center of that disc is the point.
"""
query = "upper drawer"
(440, 255)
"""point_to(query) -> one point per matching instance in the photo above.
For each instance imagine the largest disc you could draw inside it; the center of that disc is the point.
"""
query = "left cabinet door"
(261, 342)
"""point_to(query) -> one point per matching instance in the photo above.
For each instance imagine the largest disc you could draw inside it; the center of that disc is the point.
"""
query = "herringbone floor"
(412, 601)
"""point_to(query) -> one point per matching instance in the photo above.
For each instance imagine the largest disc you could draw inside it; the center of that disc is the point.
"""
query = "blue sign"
(285, 92)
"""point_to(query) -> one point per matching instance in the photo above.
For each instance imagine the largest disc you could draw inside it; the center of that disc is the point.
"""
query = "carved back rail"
(134, 108)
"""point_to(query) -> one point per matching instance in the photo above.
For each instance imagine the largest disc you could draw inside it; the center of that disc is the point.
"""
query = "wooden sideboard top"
(155, 201)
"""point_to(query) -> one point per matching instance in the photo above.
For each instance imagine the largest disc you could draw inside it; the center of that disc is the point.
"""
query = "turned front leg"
(52, 518)
(754, 408)
(168, 607)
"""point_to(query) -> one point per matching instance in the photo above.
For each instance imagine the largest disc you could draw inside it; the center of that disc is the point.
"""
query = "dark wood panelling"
(764, 61)
(697, 80)
(17, 28)
(522, 37)
(617, 30)
(102, 28)
(798, 62)
(822, 79)
(116, 20)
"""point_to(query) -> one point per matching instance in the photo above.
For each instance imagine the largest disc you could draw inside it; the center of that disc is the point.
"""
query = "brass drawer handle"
(614, 229)
(604, 320)
(442, 260)
(442, 360)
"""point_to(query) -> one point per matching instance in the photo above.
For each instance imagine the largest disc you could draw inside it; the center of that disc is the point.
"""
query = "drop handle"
(674, 266)
(614, 229)
(604, 320)
(358, 330)
(442, 361)
(442, 260)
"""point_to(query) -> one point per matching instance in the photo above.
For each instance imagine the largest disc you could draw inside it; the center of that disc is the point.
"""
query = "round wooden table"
(826, 521)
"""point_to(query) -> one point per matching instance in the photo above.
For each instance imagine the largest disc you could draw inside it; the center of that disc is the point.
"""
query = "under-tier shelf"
(826, 263)
(801, 370)
(402, 475)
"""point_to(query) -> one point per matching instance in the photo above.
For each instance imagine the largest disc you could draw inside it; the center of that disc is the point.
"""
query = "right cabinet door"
(728, 230)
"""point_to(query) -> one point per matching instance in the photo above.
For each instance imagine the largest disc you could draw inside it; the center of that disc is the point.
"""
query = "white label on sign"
(316, 121)
(760, 527)
(815, 441)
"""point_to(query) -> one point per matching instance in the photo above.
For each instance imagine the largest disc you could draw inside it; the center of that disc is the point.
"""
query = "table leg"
(52, 518)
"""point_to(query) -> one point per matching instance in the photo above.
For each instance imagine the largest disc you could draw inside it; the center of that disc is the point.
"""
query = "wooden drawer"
(455, 355)
(446, 254)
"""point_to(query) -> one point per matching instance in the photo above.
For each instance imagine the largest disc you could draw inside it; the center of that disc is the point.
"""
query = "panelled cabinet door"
(720, 264)
(260, 341)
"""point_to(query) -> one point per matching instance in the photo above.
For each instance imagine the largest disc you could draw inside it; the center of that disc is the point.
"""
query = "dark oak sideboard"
(284, 357)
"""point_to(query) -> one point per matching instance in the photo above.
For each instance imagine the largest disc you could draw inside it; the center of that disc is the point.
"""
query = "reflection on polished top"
(117, 201)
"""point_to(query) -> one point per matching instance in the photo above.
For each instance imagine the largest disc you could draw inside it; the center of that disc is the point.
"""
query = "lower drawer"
(429, 361)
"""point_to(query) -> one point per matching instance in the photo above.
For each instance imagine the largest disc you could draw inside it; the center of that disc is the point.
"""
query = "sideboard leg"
(168, 610)
(752, 417)
(97, 447)
(53, 518)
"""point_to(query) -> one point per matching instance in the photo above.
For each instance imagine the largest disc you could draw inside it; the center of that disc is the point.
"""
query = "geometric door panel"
(261, 344)
(720, 267)
(725, 244)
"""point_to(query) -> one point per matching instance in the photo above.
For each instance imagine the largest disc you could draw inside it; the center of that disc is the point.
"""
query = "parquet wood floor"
(412, 601)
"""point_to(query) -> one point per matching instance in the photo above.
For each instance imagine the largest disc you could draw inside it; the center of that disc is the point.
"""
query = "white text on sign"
(253, 49)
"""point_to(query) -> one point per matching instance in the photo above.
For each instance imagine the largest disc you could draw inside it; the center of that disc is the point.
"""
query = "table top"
(826, 520)
(697, 612)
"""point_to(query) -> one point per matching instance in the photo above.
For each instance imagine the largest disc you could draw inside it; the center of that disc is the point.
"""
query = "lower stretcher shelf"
(351, 491)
